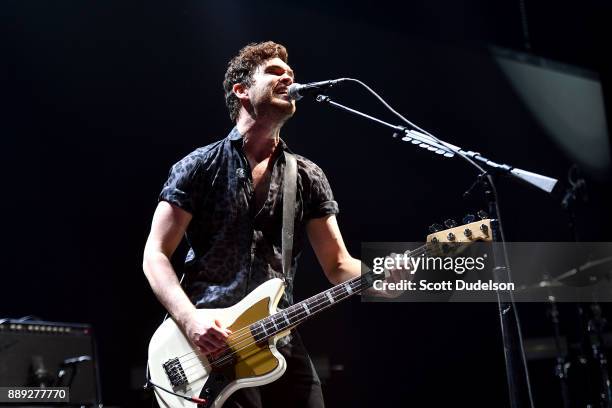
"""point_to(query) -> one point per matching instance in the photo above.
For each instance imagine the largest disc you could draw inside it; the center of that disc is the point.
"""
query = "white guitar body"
(260, 363)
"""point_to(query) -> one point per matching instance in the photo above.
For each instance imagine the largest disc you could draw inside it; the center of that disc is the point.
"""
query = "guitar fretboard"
(296, 314)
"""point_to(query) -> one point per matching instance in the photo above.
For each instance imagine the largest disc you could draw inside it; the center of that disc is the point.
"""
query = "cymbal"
(590, 281)
(588, 273)
(540, 291)
(542, 285)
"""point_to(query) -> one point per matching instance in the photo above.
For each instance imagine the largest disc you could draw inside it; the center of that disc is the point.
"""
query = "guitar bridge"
(175, 372)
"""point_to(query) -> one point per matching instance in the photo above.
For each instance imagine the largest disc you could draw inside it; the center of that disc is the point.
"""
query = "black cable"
(499, 223)
(197, 400)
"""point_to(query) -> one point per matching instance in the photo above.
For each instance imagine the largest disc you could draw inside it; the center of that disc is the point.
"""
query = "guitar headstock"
(470, 231)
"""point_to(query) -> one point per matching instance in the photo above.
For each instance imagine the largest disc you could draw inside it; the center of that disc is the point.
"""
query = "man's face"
(268, 93)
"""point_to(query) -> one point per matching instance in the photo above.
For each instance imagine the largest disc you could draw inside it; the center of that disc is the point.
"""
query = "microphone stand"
(516, 364)
(561, 365)
(575, 193)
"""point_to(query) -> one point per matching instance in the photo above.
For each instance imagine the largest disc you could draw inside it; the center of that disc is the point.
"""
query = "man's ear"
(241, 91)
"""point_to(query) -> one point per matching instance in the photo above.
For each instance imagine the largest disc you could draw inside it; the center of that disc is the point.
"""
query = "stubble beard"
(276, 109)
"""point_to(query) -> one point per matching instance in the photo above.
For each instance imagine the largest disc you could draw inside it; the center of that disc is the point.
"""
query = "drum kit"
(580, 354)
(579, 345)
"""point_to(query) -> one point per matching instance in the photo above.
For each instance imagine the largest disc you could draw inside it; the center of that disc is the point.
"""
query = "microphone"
(297, 91)
(39, 375)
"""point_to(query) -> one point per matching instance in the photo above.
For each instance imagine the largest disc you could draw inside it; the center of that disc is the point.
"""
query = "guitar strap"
(289, 193)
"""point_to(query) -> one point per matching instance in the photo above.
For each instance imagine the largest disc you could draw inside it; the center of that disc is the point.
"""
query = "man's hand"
(208, 335)
(396, 275)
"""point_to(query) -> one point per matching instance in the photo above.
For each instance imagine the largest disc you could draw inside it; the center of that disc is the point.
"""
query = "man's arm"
(338, 264)
(167, 230)
(326, 240)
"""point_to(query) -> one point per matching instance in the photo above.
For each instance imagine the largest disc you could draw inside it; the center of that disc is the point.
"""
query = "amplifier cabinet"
(34, 353)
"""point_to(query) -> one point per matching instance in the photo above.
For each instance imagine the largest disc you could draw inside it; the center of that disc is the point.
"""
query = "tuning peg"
(469, 218)
(482, 214)
(450, 223)
(433, 228)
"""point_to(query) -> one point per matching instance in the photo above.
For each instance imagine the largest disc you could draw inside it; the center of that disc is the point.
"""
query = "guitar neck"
(439, 241)
(299, 312)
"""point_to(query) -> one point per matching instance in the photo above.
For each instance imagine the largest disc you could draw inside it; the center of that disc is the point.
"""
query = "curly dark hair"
(241, 68)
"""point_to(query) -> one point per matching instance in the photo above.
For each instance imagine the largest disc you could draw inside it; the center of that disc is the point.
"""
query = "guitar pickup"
(174, 371)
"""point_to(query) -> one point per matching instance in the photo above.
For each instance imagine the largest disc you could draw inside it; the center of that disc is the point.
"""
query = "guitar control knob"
(435, 240)
(484, 229)
(433, 228)
(450, 223)
(451, 236)
(482, 214)
(469, 218)
(467, 232)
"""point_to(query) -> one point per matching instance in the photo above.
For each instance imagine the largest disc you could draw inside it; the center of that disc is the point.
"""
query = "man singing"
(226, 198)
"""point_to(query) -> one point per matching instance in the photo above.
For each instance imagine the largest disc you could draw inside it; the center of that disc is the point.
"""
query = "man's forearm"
(165, 285)
(353, 267)
(345, 270)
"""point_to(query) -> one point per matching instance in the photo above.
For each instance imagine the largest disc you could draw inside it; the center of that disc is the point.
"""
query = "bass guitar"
(182, 376)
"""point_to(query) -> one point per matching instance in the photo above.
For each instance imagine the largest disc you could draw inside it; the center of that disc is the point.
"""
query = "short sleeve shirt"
(235, 246)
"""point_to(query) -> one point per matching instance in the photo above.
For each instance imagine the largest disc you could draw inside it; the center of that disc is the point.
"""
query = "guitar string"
(292, 311)
(269, 333)
(266, 326)
(226, 360)
(416, 251)
(319, 299)
(358, 279)
(302, 316)
(300, 311)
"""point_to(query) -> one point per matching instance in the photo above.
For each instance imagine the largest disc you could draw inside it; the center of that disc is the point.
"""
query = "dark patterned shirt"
(234, 246)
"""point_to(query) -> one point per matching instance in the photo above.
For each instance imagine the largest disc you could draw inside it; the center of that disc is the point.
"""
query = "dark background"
(99, 99)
